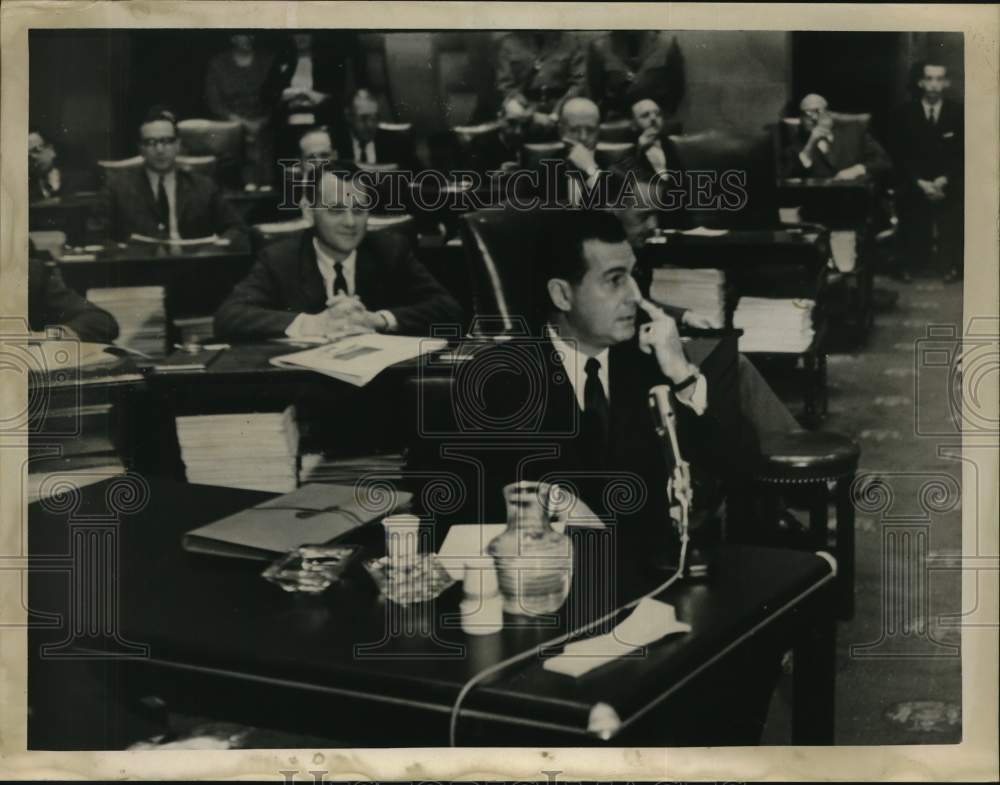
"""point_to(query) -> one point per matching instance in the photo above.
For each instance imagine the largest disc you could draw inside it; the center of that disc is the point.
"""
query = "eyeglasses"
(162, 141)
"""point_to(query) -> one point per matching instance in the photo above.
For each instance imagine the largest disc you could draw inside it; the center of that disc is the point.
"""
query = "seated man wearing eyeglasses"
(159, 200)
(336, 279)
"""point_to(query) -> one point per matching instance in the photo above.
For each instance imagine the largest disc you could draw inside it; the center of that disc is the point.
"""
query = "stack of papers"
(774, 325)
(699, 290)
(139, 311)
(359, 359)
(319, 468)
(256, 450)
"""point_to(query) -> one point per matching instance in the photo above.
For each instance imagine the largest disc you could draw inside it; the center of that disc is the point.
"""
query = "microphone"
(679, 486)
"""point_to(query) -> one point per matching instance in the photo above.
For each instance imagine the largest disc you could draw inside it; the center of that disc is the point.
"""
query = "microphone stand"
(679, 488)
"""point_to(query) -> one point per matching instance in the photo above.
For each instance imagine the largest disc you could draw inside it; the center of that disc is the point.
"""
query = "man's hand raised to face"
(660, 337)
(581, 157)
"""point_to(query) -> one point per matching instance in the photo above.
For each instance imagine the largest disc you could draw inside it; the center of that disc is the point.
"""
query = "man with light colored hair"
(830, 147)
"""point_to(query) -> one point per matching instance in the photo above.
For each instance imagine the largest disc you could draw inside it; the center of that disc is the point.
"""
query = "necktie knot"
(592, 367)
(339, 279)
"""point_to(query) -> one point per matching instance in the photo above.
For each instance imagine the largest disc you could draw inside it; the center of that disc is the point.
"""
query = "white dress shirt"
(364, 153)
(931, 111)
(303, 76)
(575, 363)
(303, 324)
(170, 184)
(574, 191)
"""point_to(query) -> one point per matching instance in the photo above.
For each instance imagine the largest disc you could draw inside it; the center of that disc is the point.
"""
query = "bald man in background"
(830, 148)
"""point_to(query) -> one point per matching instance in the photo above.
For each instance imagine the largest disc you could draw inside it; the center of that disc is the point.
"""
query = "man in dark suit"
(159, 200)
(830, 148)
(623, 60)
(336, 279)
(500, 148)
(576, 404)
(541, 69)
(364, 141)
(46, 180)
(929, 140)
(52, 304)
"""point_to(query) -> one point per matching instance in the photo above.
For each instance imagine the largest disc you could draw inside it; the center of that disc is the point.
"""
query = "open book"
(358, 359)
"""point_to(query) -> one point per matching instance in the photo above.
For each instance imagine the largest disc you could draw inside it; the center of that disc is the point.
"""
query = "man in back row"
(336, 279)
(830, 148)
(161, 201)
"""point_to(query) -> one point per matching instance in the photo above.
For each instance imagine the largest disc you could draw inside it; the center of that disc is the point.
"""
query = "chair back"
(610, 153)
(265, 234)
(730, 158)
(204, 165)
(500, 246)
(221, 138)
(124, 163)
(533, 153)
(617, 131)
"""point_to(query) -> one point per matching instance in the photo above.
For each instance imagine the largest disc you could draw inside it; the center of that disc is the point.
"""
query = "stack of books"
(699, 290)
(774, 325)
(256, 450)
(139, 311)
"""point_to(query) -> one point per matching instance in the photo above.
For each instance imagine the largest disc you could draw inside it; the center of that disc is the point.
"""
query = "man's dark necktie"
(339, 281)
(594, 423)
(162, 206)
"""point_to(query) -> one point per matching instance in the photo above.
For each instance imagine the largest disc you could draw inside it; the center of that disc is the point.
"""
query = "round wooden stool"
(806, 465)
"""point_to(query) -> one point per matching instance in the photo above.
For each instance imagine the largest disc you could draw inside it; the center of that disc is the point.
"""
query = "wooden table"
(211, 637)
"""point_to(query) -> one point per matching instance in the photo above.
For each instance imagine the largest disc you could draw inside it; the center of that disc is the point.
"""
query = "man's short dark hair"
(561, 254)
(157, 114)
(917, 72)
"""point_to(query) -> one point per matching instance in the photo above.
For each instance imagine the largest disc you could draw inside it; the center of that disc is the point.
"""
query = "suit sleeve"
(427, 301)
(64, 306)
(104, 222)
(253, 308)
(791, 164)
(227, 221)
(506, 83)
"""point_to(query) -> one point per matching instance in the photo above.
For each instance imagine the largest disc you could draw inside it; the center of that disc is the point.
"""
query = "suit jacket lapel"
(183, 198)
(313, 288)
(368, 285)
(144, 192)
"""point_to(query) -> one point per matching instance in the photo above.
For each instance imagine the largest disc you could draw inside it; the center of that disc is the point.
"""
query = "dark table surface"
(216, 620)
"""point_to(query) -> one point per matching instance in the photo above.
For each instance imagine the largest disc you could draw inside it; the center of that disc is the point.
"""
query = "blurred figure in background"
(829, 148)
(313, 74)
(159, 200)
(929, 148)
(624, 61)
(364, 141)
(239, 87)
(541, 70)
(46, 180)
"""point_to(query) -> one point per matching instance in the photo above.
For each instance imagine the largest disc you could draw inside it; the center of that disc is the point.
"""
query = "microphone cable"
(562, 639)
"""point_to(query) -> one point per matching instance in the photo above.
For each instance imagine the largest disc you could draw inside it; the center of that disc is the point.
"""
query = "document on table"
(360, 358)
(313, 514)
(649, 622)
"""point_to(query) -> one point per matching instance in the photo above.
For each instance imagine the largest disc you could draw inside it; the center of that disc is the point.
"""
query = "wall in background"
(734, 78)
